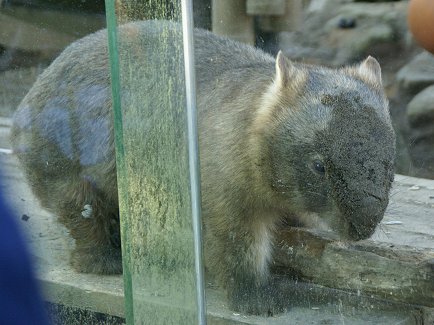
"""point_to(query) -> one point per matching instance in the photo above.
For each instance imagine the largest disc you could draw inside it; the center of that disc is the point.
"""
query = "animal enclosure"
(327, 263)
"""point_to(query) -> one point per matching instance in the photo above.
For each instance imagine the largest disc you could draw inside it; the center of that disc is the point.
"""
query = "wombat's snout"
(365, 218)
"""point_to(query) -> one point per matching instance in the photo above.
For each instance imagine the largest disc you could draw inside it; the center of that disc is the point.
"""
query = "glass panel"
(322, 146)
(153, 168)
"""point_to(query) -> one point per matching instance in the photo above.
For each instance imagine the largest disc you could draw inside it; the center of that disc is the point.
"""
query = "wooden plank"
(102, 294)
(388, 271)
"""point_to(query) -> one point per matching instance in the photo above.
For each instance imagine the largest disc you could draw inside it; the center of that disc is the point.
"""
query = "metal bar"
(193, 153)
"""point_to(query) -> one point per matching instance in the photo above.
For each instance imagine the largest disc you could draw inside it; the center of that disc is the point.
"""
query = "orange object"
(421, 22)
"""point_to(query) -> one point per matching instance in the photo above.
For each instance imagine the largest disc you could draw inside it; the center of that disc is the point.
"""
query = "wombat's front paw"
(262, 300)
(106, 260)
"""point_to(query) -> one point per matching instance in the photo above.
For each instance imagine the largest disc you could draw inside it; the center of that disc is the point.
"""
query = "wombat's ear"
(370, 71)
(285, 70)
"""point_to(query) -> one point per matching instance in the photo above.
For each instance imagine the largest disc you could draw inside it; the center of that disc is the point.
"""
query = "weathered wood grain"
(388, 271)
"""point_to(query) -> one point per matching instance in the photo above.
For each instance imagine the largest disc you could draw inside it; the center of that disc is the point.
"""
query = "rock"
(420, 110)
(403, 162)
(359, 42)
(369, 15)
(420, 113)
(370, 28)
(324, 6)
(378, 29)
(379, 12)
(418, 74)
(422, 154)
(314, 55)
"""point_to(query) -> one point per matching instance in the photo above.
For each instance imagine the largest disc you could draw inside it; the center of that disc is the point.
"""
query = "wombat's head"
(332, 147)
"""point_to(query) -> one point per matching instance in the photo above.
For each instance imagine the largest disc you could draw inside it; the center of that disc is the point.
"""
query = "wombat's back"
(63, 128)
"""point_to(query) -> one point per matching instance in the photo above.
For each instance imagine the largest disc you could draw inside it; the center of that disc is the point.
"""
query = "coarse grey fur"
(278, 141)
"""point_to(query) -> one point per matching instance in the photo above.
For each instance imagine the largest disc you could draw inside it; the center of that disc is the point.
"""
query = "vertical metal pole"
(193, 152)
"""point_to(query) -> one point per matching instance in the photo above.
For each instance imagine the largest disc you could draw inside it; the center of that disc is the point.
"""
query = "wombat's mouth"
(363, 216)
(359, 232)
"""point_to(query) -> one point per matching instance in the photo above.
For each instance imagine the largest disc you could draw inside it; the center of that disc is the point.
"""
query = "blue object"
(20, 299)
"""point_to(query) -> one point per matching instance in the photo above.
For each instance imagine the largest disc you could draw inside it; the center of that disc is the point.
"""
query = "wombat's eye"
(318, 166)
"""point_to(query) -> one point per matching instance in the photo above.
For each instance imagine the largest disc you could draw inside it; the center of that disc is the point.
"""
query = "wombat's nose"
(372, 208)
(366, 217)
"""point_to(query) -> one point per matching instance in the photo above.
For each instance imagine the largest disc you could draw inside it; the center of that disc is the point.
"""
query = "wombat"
(279, 140)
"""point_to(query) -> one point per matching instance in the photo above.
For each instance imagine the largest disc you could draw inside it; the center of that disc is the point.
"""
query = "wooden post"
(229, 18)
(290, 18)
(270, 7)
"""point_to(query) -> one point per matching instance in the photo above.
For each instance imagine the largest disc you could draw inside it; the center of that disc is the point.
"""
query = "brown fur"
(277, 140)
